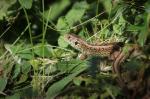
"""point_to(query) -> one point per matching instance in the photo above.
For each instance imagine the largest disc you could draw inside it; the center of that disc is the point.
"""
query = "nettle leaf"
(56, 9)
(26, 3)
(62, 25)
(76, 13)
(20, 51)
(25, 54)
(43, 50)
(14, 49)
(73, 16)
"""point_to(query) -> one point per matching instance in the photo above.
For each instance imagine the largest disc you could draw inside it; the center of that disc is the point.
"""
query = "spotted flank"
(90, 49)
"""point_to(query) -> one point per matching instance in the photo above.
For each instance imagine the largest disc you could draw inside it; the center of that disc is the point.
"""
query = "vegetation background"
(37, 63)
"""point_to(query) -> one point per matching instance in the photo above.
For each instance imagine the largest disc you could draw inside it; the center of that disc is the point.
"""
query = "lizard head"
(75, 41)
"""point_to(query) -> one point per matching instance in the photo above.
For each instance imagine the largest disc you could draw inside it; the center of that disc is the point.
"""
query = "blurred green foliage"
(36, 61)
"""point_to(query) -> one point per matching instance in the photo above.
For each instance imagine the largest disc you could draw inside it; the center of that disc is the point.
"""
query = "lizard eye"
(68, 37)
(76, 43)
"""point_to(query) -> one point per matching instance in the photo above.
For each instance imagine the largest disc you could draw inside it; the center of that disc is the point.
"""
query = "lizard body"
(104, 49)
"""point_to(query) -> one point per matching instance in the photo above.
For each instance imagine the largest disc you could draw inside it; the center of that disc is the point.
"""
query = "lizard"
(114, 51)
(87, 49)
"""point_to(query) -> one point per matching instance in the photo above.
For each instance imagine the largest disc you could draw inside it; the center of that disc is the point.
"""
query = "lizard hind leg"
(104, 66)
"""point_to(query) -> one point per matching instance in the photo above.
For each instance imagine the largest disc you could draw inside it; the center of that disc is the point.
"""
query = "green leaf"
(71, 66)
(35, 64)
(144, 29)
(50, 69)
(2, 14)
(23, 52)
(76, 13)
(15, 96)
(62, 25)
(19, 51)
(113, 91)
(62, 42)
(25, 55)
(147, 6)
(73, 16)
(56, 9)
(3, 83)
(57, 87)
(17, 70)
(108, 5)
(4, 5)
(26, 3)
(26, 67)
(58, 53)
